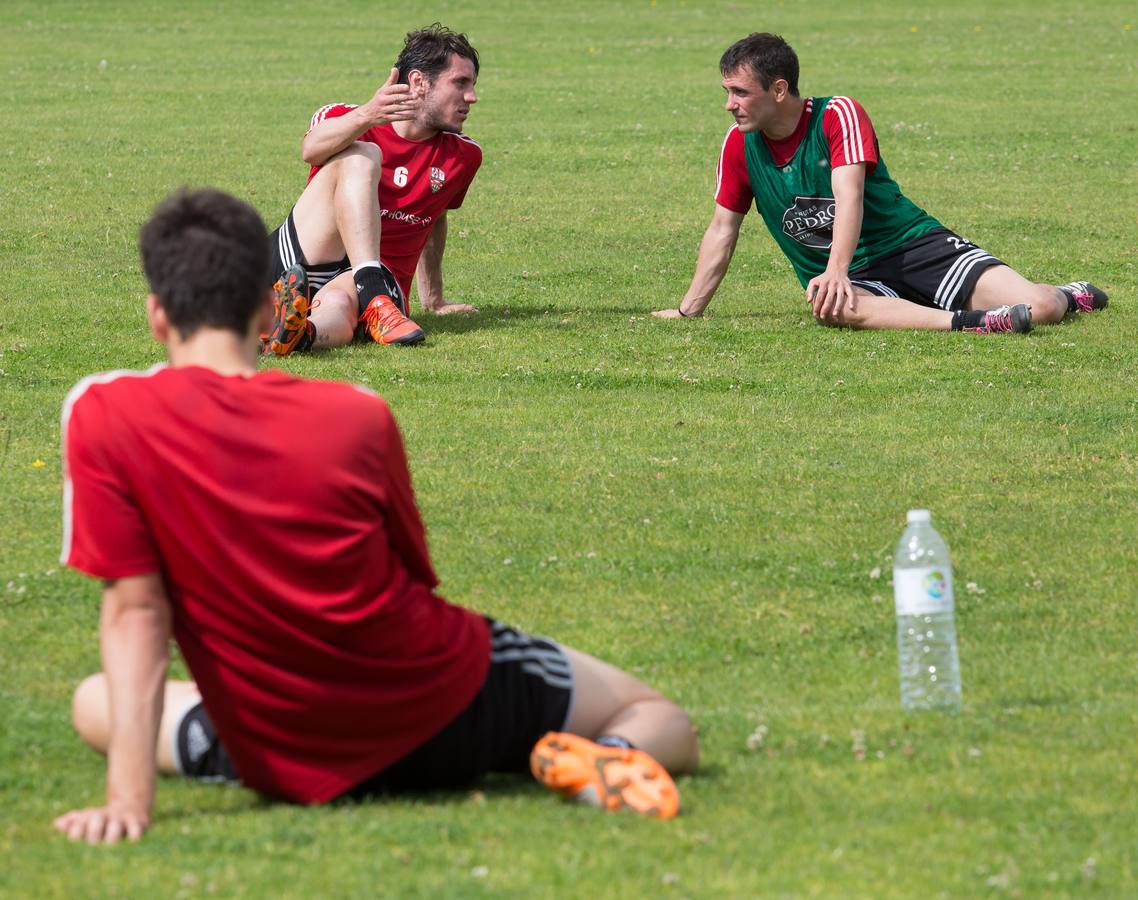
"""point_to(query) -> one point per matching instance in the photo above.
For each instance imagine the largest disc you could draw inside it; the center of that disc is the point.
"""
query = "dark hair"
(768, 57)
(429, 50)
(206, 256)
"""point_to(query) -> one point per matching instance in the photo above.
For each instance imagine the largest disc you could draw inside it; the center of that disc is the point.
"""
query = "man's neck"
(220, 350)
(413, 131)
(786, 119)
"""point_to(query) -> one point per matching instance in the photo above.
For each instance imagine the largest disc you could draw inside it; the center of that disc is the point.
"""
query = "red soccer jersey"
(419, 181)
(845, 124)
(280, 515)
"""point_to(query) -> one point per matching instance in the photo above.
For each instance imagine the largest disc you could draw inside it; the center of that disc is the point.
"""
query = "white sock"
(365, 264)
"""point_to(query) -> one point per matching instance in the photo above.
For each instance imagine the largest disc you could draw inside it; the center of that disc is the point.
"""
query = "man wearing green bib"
(867, 256)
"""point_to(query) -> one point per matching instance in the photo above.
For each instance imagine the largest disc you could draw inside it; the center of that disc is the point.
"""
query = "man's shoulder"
(733, 137)
(330, 111)
(111, 385)
(841, 108)
(334, 397)
(732, 149)
(461, 145)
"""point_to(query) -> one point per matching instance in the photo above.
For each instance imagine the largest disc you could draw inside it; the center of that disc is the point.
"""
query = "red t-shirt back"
(280, 514)
(419, 181)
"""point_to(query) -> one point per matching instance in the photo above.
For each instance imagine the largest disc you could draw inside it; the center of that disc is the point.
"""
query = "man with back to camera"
(374, 212)
(866, 255)
(268, 521)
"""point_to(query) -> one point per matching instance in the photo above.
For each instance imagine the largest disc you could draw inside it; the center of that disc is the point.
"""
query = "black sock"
(612, 740)
(369, 285)
(968, 318)
(1070, 295)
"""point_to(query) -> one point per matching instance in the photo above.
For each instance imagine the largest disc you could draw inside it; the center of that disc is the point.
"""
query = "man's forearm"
(429, 273)
(715, 252)
(849, 200)
(134, 641)
(333, 135)
(847, 230)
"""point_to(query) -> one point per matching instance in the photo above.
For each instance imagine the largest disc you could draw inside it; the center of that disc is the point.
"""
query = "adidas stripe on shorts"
(528, 691)
(285, 248)
(938, 269)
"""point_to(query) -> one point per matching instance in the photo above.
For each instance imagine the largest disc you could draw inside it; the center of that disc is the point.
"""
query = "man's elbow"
(310, 153)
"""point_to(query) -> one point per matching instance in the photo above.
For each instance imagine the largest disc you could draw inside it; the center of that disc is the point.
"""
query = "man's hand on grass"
(103, 824)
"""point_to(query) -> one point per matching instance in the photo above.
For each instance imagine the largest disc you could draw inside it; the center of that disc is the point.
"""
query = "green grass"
(703, 503)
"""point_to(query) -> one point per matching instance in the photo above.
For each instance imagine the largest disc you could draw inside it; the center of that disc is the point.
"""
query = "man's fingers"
(134, 828)
(830, 302)
(96, 826)
(96, 822)
(75, 824)
(393, 77)
(113, 831)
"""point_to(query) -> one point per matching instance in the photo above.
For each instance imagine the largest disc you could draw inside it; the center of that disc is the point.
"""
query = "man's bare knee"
(361, 155)
(90, 711)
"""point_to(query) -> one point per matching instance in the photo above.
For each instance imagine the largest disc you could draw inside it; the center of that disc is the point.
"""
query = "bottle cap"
(919, 517)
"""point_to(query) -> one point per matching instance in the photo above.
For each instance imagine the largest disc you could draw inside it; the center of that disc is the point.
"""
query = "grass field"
(711, 504)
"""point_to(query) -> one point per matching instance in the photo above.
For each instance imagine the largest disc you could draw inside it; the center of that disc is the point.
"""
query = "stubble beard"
(432, 118)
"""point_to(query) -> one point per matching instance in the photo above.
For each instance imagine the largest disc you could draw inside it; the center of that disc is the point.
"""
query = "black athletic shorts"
(938, 269)
(528, 691)
(285, 248)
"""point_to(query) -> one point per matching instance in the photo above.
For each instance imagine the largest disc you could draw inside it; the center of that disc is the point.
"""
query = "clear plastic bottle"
(926, 632)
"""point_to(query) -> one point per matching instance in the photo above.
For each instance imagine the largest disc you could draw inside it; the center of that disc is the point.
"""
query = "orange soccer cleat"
(387, 325)
(290, 313)
(612, 778)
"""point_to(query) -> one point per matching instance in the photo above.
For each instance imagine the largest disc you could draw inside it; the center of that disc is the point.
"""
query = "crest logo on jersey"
(438, 179)
(810, 221)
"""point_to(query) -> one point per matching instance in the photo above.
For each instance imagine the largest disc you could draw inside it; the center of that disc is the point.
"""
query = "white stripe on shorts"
(539, 656)
(284, 245)
(551, 660)
(288, 249)
(950, 285)
(877, 287)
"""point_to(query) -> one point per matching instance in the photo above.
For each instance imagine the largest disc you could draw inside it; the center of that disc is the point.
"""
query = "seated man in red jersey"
(302, 596)
(374, 212)
(867, 256)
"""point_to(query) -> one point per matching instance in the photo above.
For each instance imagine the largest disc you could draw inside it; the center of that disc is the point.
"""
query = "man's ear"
(157, 319)
(418, 82)
(780, 89)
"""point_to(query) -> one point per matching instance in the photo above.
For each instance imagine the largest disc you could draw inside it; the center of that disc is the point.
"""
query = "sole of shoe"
(291, 288)
(407, 340)
(609, 778)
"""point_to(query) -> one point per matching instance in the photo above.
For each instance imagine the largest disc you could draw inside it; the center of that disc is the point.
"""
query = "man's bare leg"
(608, 701)
(335, 312)
(1004, 286)
(91, 716)
(337, 215)
(873, 311)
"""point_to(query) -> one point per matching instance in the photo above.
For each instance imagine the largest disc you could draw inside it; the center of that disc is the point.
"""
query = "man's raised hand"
(393, 102)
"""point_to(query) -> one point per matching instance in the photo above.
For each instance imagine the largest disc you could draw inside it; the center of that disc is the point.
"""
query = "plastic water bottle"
(926, 632)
